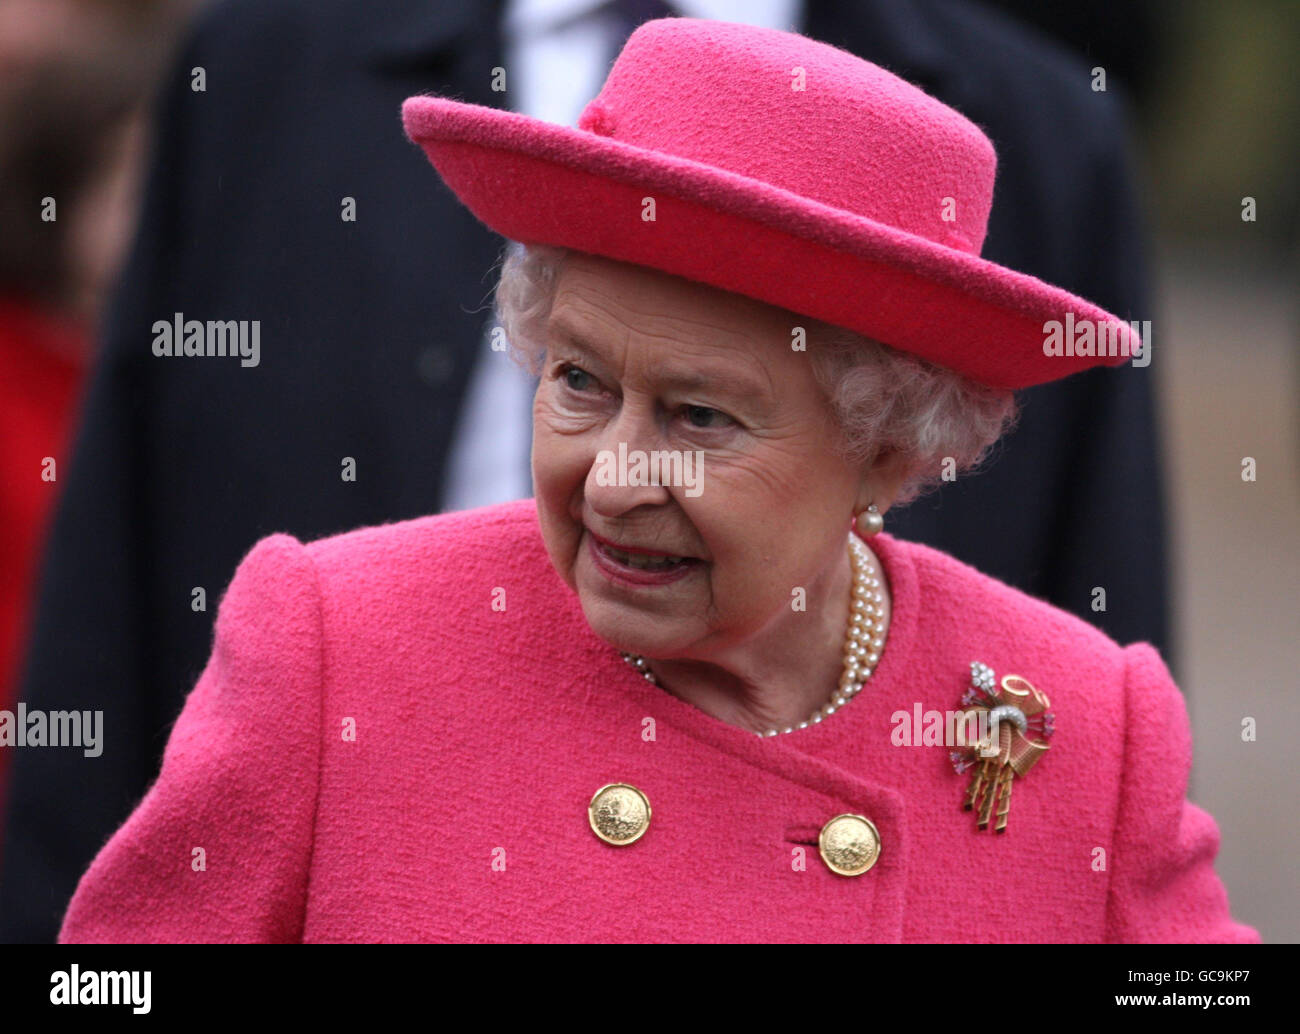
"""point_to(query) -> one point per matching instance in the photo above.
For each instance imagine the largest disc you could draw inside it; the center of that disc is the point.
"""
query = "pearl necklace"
(863, 640)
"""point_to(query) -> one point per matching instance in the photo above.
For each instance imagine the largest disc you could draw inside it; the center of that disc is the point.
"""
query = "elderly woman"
(754, 301)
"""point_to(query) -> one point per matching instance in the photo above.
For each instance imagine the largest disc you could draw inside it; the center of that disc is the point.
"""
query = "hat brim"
(538, 182)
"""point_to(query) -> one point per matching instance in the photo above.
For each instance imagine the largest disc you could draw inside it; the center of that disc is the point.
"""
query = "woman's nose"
(622, 469)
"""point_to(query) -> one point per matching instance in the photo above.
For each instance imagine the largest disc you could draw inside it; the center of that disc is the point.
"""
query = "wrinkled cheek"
(560, 467)
(750, 587)
(559, 473)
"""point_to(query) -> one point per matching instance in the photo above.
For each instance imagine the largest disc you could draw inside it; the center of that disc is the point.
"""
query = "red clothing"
(481, 735)
(41, 368)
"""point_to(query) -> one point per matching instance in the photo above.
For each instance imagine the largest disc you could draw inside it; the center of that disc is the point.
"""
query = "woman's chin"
(626, 629)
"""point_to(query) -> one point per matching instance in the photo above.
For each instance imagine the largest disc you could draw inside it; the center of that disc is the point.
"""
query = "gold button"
(849, 844)
(619, 814)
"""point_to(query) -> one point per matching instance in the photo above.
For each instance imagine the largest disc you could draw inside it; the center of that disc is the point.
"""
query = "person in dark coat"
(182, 464)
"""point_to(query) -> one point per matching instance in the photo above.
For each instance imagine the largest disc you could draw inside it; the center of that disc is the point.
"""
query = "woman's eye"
(705, 418)
(576, 377)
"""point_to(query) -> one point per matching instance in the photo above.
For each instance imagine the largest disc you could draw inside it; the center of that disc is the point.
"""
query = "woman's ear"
(883, 482)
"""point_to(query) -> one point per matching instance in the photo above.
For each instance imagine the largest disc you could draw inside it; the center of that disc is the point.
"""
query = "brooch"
(1013, 722)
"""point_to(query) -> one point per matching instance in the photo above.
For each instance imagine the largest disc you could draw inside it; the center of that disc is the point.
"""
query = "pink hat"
(783, 169)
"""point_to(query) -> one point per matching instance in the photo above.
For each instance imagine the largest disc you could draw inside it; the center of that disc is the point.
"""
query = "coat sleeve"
(220, 846)
(1163, 885)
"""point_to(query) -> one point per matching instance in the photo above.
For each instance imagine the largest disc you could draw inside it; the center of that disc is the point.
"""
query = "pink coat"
(458, 810)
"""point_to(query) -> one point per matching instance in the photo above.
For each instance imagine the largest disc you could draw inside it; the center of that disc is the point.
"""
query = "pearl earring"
(869, 522)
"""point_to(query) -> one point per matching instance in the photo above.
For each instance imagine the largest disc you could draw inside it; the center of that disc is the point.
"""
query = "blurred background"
(1213, 93)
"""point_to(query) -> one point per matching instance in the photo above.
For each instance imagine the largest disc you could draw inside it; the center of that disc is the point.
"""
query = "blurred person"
(183, 463)
(71, 118)
(528, 721)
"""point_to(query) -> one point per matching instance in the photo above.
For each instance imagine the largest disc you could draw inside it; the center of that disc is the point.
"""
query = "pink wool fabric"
(459, 810)
(855, 198)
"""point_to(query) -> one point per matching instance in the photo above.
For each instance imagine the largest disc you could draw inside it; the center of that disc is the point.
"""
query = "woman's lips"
(617, 569)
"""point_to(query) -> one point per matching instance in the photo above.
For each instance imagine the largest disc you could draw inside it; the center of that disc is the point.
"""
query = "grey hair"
(885, 402)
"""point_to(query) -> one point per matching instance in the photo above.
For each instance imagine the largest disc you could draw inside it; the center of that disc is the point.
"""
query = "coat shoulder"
(1015, 632)
(462, 535)
(954, 583)
(445, 561)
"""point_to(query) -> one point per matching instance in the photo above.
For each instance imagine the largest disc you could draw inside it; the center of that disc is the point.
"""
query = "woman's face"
(757, 502)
